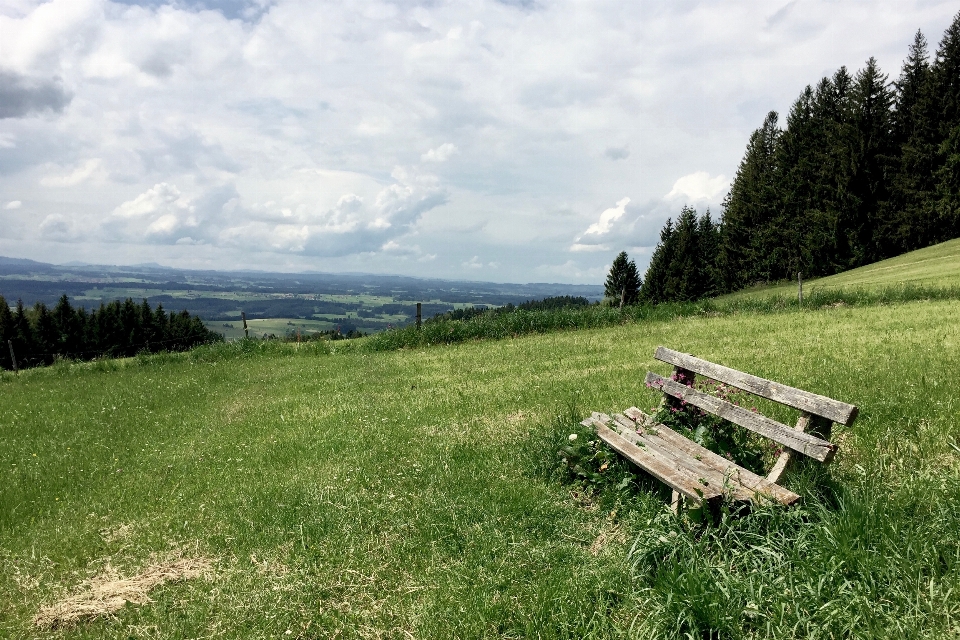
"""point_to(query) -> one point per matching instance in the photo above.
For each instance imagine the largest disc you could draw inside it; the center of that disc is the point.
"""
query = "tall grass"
(497, 325)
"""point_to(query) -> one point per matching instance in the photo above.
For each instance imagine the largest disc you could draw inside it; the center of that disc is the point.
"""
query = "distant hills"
(366, 302)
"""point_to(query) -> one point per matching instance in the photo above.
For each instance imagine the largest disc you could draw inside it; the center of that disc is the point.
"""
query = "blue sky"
(504, 141)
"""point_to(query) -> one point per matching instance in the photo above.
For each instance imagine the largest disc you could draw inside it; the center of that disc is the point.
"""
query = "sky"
(505, 141)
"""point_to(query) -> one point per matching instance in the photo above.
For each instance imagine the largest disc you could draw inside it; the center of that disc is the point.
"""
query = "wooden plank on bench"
(690, 458)
(812, 403)
(799, 441)
(745, 477)
(655, 463)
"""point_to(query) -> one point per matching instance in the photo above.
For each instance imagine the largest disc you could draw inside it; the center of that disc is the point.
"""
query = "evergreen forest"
(40, 335)
(865, 169)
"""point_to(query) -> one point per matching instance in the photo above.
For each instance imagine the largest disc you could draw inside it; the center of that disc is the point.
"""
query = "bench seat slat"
(746, 478)
(724, 478)
(799, 441)
(812, 403)
(656, 464)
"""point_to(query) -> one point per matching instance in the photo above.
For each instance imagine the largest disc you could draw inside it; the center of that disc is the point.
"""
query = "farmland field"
(378, 495)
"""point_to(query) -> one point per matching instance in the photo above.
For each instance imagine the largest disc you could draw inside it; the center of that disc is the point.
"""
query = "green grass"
(393, 494)
(933, 267)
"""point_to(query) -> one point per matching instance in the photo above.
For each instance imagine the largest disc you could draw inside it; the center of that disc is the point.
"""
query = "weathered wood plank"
(744, 477)
(812, 403)
(656, 464)
(691, 459)
(784, 460)
(805, 443)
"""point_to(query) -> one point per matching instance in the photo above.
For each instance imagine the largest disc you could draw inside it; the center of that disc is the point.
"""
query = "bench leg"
(675, 502)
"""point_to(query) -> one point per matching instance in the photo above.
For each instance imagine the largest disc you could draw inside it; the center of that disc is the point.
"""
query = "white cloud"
(607, 220)
(58, 227)
(13, 204)
(698, 186)
(160, 214)
(91, 171)
(281, 123)
(576, 247)
(440, 154)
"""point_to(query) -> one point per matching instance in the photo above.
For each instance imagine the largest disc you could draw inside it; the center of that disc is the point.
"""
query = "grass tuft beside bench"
(699, 475)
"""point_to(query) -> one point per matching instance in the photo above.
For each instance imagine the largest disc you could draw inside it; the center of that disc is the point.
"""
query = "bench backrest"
(815, 409)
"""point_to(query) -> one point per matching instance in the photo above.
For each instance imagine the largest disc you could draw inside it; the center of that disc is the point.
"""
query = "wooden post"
(800, 286)
(419, 318)
(623, 295)
(13, 356)
(243, 316)
(298, 338)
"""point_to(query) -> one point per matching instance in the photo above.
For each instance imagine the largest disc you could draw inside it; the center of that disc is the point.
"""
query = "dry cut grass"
(108, 592)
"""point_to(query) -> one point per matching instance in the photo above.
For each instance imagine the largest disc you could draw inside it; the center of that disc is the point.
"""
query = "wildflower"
(572, 437)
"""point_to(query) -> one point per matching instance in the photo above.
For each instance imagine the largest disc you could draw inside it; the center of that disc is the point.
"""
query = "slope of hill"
(353, 494)
(932, 267)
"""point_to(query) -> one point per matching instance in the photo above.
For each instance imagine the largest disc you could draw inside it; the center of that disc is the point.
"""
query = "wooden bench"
(698, 475)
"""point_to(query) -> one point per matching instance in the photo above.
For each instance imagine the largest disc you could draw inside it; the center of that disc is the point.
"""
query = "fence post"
(800, 286)
(419, 308)
(243, 316)
(13, 356)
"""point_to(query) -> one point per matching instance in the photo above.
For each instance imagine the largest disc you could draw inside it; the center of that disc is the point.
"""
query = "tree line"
(865, 169)
(40, 335)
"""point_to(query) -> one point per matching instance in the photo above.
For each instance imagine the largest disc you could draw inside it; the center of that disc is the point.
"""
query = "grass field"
(936, 266)
(394, 495)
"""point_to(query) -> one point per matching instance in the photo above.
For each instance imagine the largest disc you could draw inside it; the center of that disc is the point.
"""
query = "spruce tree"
(654, 281)
(23, 340)
(748, 206)
(873, 155)
(623, 281)
(946, 81)
(6, 333)
(915, 131)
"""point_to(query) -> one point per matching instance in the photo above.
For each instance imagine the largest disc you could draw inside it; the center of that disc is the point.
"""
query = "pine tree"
(45, 333)
(23, 340)
(623, 280)
(946, 81)
(654, 281)
(873, 153)
(6, 333)
(748, 205)
(913, 182)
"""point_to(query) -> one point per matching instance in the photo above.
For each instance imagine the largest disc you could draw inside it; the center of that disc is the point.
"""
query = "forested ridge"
(865, 169)
(39, 335)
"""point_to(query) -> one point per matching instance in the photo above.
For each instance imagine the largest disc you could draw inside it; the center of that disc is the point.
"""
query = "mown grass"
(936, 267)
(394, 494)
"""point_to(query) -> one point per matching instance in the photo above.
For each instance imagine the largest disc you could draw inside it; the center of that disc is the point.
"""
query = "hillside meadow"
(937, 266)
(340, 492)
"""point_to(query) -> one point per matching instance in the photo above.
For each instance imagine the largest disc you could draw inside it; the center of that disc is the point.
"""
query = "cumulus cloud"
(13, 204)
(698, 186)
(159, 214)
(354, 224)
(21, 96)
(58, 227)
(90, 171)
(440, 154)
(281, 123)
(607, 219)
